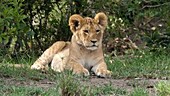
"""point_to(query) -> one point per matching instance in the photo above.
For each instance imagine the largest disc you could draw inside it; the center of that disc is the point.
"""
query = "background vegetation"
(30, 26)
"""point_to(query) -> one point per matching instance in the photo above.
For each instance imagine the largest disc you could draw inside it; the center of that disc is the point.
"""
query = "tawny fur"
(84, 52)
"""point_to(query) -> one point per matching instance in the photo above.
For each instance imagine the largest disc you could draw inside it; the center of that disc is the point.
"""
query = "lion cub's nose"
(94, 40)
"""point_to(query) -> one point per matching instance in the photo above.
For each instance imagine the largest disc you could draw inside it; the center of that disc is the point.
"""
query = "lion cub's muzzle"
(93, 44)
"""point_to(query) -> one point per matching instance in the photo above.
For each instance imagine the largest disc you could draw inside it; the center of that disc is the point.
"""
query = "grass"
(26, 82)
(139, 92)
(148, 65)
(26, 91)
(109, 89)
(163, 88)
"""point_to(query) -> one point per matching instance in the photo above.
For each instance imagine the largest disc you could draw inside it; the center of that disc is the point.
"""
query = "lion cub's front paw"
(103, 73)
(84, 71)
(38, 67)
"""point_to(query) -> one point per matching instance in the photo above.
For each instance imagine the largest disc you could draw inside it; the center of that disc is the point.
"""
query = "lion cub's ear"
(101, 19)
(75, 22)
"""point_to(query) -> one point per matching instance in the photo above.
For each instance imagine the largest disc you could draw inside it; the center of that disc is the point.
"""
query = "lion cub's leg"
(101, 70)
(47, 56)
(59, 61)
(78, 68)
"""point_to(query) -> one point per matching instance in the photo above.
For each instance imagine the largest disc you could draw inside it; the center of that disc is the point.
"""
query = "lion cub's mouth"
(93, 47)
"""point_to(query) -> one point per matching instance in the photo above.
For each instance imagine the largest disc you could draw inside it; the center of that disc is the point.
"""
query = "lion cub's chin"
(92, 48)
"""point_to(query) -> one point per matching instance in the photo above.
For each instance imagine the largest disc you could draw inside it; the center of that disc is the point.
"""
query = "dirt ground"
(127, 84)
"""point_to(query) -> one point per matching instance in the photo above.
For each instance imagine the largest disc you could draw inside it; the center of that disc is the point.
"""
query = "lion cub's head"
(88, 32)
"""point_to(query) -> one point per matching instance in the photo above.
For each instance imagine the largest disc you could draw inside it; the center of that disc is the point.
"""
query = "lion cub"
(84, 53)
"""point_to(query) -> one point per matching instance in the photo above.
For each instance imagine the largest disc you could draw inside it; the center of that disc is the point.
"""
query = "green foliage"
(48, 22)
(12, 25)
(29, 26)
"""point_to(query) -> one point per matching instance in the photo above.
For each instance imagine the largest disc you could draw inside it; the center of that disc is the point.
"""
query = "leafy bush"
(33, 25)
(145, 22)
(13, 28)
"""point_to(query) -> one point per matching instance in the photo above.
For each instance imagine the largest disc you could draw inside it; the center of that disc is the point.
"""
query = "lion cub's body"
(84, 52)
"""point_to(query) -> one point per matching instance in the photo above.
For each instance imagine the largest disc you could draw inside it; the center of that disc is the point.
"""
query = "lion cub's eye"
(97, 31)
(86, 31)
